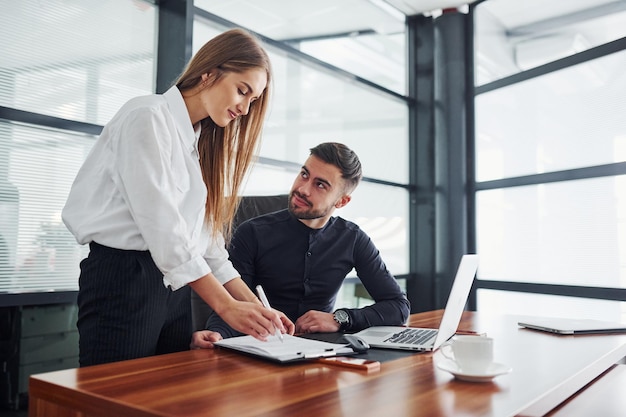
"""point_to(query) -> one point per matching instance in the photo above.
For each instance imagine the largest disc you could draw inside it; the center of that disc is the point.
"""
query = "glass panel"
(506, 302)
(365, 38)
(352, 294)
(381, 211)
(203, 32)
(83, 61)
(380, 59)
(567, 119)
(571, 233)
(513, 36)
(270, 180)
(311, 106)
(37, 169)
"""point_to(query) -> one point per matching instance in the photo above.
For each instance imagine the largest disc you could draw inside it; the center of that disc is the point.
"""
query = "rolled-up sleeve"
(215, 260)
(180, 276)
(216, 257)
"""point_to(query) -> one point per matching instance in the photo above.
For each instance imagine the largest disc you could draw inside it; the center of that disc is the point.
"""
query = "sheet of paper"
(291, 347)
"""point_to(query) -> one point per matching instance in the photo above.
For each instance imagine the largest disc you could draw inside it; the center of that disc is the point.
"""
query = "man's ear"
(345, 199)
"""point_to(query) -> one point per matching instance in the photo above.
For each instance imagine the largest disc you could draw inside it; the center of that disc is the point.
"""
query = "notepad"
(292, 349)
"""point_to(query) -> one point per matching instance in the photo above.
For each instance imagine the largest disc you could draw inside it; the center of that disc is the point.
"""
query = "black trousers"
(125, 311)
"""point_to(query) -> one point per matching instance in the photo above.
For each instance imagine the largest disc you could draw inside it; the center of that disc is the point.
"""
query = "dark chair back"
(254, 206)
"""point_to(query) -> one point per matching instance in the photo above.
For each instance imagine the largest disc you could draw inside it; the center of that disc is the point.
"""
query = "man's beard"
(304, 213)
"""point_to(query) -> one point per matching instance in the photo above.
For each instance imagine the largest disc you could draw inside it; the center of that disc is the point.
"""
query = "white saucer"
(493, 371)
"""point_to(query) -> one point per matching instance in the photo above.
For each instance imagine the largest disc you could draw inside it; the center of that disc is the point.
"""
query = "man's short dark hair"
(343, 158)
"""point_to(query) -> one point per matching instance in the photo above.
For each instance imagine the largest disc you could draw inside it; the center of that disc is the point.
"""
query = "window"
(81, 64)
(550, 151)
(40, 254)
(548, 123)
(512, 37)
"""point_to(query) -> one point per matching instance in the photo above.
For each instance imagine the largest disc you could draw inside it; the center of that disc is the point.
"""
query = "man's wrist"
(342, 317)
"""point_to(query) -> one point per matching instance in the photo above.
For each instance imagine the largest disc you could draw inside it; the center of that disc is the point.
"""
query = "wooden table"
(547, 369)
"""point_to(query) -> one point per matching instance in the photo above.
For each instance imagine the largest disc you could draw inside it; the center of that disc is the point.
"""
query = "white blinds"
(76, 61)
(38, 253)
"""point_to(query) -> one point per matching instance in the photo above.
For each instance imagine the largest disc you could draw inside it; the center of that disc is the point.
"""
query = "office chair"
(249, 207)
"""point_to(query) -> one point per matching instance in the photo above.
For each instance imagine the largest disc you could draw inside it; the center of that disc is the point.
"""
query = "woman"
(152, 201)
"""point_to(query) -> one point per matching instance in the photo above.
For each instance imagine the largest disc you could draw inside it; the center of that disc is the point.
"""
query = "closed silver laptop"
(572, 325)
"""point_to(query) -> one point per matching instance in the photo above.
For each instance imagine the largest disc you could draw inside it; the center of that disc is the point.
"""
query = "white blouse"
(140, 188)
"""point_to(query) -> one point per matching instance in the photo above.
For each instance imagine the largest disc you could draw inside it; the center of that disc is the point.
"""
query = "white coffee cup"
(472, 354)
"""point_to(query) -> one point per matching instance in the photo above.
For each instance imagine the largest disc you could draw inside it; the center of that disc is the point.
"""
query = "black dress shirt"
(302, 269)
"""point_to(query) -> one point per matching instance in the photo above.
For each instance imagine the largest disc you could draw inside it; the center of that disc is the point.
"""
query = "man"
(301, 255)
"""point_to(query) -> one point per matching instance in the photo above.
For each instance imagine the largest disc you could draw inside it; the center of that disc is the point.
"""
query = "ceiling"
(276, 19)
(283, 20)
(414, 7)
(299, 19)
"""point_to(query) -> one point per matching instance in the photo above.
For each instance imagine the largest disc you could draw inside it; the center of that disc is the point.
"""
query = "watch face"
(342, 316)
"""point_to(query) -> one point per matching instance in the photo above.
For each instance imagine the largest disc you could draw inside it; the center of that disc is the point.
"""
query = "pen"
(266, 303)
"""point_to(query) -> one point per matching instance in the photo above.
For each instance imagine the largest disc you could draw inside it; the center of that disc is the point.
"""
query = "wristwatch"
(343, 318)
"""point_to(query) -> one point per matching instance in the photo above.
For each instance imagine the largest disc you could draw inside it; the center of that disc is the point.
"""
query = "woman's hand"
(254, 319)
(247, 316)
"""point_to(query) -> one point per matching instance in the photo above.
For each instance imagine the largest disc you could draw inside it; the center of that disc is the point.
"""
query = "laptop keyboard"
(412, 336)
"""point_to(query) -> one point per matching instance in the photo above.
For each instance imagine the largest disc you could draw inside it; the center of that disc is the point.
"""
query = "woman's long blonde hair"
(227, 153)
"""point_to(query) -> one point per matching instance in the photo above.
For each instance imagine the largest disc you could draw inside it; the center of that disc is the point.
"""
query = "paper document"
(292, 348)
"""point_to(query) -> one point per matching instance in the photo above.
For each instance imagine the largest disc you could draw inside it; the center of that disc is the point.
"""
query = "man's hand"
(204, 339)
(316, 322)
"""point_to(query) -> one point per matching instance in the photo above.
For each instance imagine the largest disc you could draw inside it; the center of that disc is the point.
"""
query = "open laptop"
(425, 340)
(572, 325)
